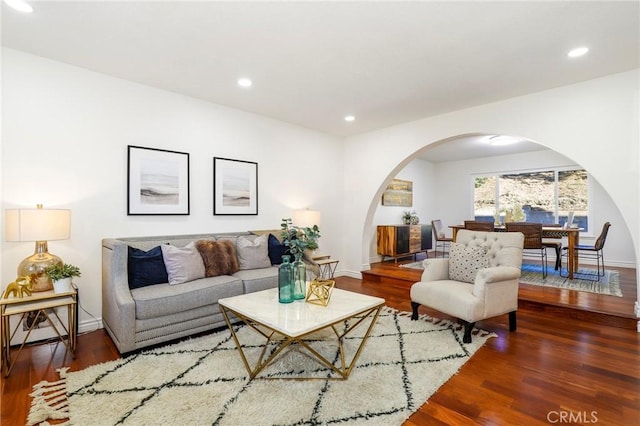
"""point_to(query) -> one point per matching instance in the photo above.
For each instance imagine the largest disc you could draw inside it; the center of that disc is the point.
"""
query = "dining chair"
(532, 240)
(594, 251)
(441, 239)
(478, 225)
(554, 243)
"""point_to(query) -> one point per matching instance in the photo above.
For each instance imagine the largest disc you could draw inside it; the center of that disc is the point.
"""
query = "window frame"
(556, 170)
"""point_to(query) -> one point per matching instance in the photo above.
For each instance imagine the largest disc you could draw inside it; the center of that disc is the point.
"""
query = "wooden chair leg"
(414, 308)
(468, 327)
(512, 321)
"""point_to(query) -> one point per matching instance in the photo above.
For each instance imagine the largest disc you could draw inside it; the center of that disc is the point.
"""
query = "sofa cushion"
(219, 257)
(165, 299)
(277, 249)
(253, 253)
(258, 279)
(183, 263)
(464, 262)
(146, 267)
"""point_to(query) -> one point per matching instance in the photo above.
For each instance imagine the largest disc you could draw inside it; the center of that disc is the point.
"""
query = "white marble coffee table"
(294, 322)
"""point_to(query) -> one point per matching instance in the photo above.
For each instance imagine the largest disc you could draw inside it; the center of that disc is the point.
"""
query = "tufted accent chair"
(495, 288)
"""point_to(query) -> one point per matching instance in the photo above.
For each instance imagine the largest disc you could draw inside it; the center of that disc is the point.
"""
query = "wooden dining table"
(572, 235)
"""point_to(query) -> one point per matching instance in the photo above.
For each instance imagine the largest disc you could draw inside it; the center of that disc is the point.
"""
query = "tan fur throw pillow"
(219, 257)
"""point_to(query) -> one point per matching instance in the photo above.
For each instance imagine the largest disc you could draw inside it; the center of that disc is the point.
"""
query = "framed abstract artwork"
(157, 182)
(235, 187)
(398, 193)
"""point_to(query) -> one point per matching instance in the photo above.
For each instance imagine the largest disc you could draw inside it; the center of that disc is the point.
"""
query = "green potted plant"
(299, 239)
(62, 274)
(409, 217)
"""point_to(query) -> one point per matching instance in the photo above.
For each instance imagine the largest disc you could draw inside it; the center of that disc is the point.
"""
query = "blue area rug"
(608, 285)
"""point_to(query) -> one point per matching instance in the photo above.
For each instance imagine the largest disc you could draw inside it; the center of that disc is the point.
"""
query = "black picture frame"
(235, 187)
(157, 181)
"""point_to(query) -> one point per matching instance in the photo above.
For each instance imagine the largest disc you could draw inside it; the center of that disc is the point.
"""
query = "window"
(548, 196)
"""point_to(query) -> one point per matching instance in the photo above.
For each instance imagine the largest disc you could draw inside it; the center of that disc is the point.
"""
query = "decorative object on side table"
(62, 275)
(409, 217)
(319, 292)
(39, 225)
(19, 288)
(299, 239)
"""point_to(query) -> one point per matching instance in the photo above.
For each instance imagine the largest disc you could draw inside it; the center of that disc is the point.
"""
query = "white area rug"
(583, 280)
(203, 381)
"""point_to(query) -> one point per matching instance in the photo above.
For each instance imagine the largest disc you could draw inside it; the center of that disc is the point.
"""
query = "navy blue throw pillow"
(277, 250)
(146, 267)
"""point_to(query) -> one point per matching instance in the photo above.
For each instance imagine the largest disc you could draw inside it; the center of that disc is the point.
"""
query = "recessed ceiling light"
(500, 140)
(19, 5)
(577, 52)
(349, 118)
(244, 82)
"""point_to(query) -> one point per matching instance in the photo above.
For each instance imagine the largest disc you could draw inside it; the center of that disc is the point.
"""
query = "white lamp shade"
(306, 218)
(37, 224)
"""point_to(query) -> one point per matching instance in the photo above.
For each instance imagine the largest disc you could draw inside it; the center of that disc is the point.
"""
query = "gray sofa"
(140, 317)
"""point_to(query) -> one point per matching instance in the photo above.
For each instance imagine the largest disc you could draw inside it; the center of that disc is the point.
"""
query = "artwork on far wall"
(398, 193)
(235, 187)
(157, 182)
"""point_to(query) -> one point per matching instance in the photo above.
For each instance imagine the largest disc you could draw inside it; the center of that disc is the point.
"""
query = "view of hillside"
(531, 193)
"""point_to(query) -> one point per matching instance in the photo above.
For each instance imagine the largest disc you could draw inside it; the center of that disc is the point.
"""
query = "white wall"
(594, 123)
(64, 144)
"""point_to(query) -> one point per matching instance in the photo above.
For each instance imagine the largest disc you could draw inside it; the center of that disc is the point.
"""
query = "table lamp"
(306, 218)
(39, 225)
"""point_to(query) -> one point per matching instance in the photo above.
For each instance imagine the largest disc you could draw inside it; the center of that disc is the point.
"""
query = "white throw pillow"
(464, 262)
(183, 263)
(253, 254)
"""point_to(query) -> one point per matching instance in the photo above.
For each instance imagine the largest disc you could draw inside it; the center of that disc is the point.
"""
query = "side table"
(327, 267)
(38, 302)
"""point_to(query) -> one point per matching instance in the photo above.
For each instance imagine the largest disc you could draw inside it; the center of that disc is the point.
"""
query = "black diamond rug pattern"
(203, 380)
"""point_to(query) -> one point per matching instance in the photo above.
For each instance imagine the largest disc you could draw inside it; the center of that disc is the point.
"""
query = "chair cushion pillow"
(464, 262)
(253, 254)
(183, 263)
(146, 267)
(219, 257)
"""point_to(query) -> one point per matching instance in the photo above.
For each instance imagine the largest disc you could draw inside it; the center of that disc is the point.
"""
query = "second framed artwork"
(235, 187)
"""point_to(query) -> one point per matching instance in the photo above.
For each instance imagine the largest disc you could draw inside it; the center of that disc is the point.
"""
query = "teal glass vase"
(299, 277)
(285, 281)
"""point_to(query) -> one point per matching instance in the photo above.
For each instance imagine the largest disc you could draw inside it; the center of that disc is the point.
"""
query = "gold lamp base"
(35, 265)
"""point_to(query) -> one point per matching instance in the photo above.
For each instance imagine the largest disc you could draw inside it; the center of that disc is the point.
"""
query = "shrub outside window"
(547, 196)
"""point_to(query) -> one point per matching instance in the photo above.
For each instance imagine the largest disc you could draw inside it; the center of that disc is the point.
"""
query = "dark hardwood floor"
(555, 366)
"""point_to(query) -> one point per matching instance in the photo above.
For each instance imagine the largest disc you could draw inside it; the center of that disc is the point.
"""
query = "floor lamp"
(38, 225)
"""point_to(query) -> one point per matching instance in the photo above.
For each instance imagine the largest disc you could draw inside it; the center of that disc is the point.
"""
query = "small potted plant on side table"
(61, 274)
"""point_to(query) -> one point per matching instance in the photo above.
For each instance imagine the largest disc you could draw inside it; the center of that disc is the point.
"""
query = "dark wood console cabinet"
(403, 240)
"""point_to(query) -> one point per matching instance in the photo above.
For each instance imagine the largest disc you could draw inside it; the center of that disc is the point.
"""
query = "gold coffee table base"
(270, 335)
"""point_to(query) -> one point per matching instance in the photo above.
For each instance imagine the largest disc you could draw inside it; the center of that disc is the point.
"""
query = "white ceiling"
(312, 63)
